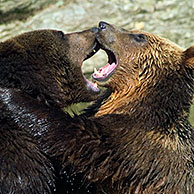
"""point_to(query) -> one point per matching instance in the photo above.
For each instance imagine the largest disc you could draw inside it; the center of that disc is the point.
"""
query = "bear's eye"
(61, 34)
(139, 37)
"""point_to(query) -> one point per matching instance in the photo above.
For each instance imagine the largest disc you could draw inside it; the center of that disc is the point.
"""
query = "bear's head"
(46, 64)
(145, 73)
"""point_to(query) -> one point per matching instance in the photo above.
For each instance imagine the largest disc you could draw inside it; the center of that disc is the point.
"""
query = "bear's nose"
(102, 25)
(95, 30)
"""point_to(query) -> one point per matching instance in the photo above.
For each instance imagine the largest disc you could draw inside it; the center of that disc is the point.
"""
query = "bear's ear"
(189, 57)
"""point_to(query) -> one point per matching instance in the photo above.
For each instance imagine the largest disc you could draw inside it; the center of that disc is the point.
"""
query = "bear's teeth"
(95, 85)
(95, 70)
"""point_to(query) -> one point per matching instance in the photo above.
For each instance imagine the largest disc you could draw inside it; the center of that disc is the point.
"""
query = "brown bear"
(39, 70)
(140, 139)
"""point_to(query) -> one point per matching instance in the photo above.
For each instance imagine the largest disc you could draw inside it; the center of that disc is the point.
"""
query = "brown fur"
(46, 64)
(145, 143)
(153, 84)
(40, 71)
(137, 64)
(140, 140)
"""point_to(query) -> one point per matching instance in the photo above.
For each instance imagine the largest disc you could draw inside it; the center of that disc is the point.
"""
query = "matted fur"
(142, 144)
(140, 140)
(40, 71)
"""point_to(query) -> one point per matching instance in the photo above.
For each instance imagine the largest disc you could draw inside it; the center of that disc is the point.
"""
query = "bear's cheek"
(110, 39)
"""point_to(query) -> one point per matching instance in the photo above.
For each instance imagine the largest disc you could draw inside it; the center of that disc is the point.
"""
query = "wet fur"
(40, 71)
(144, 143)
(140, 140)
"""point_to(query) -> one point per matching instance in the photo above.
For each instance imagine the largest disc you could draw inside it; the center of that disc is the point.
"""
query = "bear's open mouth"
(104, 73)
(90, 85)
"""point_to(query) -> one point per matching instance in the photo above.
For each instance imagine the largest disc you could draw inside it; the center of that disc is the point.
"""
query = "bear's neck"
(159, 105)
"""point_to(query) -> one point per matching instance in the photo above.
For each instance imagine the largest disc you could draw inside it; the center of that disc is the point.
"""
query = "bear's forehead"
(153, 38)
(150, 36)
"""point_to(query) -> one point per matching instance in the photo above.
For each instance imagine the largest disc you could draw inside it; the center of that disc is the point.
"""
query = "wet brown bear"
(144, 143)
(40, 71)
(140, 140)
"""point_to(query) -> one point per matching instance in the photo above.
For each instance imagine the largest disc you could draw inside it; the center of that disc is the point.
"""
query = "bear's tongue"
(104, 72)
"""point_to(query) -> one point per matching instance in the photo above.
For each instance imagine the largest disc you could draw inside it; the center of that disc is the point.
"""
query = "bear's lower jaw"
(92, 87)
(104, 73)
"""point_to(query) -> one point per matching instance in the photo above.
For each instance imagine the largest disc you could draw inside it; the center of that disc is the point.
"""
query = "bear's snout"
(103, 25)
(95, 30)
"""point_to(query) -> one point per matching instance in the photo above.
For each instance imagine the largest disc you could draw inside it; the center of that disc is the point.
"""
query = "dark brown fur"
(144, 142)
(34, 62)
(140, 140)
(39, 70)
